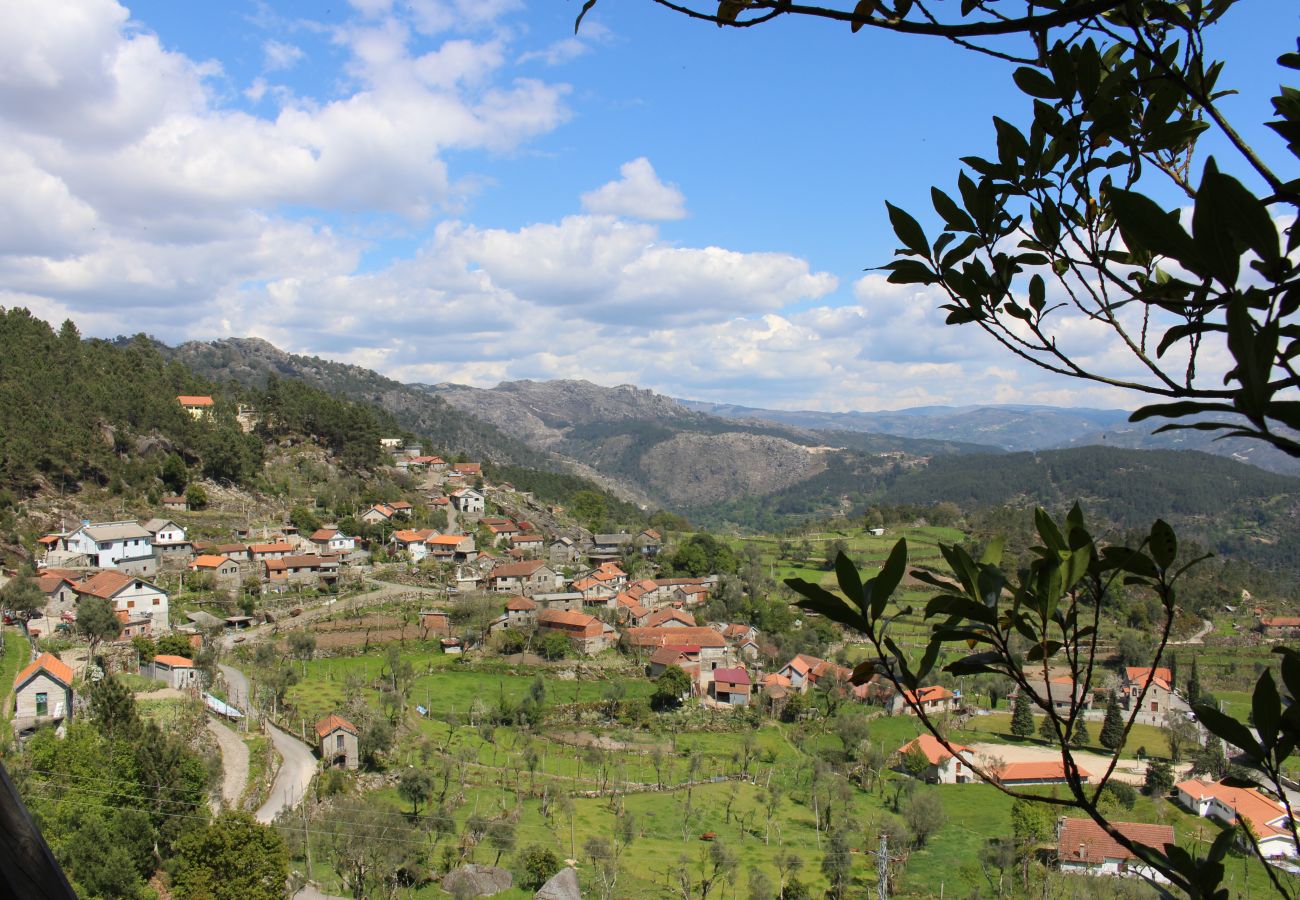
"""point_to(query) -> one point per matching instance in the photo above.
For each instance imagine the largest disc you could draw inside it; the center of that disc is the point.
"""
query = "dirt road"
(1131, 771)
(234, 765)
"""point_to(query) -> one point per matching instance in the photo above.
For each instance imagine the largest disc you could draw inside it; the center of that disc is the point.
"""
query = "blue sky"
(451, 190)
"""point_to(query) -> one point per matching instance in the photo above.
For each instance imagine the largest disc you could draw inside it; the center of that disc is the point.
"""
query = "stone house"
(43, 692)
(527, 577)
(730, 686)
(337, 742)
(586, 633)
(222, 568)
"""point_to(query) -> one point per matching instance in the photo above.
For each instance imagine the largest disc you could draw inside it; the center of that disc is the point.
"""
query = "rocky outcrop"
(477, 881)
(695, 469)
(563, 885)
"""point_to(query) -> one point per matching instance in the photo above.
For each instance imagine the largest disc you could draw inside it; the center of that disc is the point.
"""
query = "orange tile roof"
(673, 637)
(333, 722)
(276, 547)
(1280, 621)
(176, 662)
(1140, 675)
(928, 694)
(934, 751)
(103, 584)
(1083, 840)
(49, 539)
(1247, 803)
(446, 540)
(57, 668)
(562, 617)
(208, 561)
(516, 570)
(194, 400)
(323, 534)
(1036, 771)
(659, 617)
(520, 604)
(412, 535)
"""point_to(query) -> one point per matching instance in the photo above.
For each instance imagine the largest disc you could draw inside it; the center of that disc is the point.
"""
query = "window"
(130, 604)
(338, 742)
(42, 704)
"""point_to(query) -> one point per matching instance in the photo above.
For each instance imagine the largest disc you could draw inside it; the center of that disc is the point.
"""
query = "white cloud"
(639, 194)
(279, 56)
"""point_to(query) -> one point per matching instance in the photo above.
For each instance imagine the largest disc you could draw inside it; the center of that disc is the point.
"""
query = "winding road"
(234, 765)
(299, 765)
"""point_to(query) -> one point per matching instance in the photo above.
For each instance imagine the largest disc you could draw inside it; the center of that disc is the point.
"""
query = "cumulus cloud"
(639, 194)
(278, 55)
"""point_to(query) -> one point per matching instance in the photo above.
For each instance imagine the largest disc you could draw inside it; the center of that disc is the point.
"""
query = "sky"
(467, 191)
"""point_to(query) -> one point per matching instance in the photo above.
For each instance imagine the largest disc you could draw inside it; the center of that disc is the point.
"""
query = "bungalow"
(133, 597)
(1026, 773)
(1159, 684)
(1266, 818)
(452, 547)
(730, 686)
(123, 545)
(169, 539)
(198, 406)
(608, 546)
(804, 671)
(1280, 626)
(595, 593)
(378, 514)
(944, 767)
(59, 588)
(468, 501)
(402, 508)
(501, 529)
(330, 540)
(562, 551)
(43, 692)
(713, 650)
(1084, 848)
(531, 544)
(274, 550)
(222, 568)
(175, 503)
(174, 671)
(586, 633)
(1063, 692)
(520, 612)
(412, 541)
(529, 577)
(337, 741)
(236, 552)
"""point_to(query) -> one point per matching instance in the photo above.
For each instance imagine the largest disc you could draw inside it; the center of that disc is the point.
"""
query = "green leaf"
(1048, 531)
(820, 600)
(1228, 728)
(1290, 671)
(1035, 83)
(1164, 544)
(975, 664)
(954, 216)
(850, 582)
(878, 590)
(1148, 227)
(1212, 228)
(863, 672)
(1266, 708)
(908, 230)
(992, 555)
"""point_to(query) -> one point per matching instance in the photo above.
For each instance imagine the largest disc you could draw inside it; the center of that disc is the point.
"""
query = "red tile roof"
(413, 535)
(1247, 803)
(103, 584)
(737, 675)
(176, 662)
(520, 604)
(1035, 771)
(928, 694)
(517, 569)
(208, 561)
(194, 400)
(1280, 621)
(659, 617)
(276, 547)
(445, 540)
(57, 668)
(1083, 840)
(333, 722)
(673, 637)
(323, 534)
(934, 751)
(562, 617)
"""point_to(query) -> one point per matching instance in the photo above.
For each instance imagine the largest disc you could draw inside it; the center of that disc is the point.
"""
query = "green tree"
(416, 786)
(232, 858)
(96, 621)
(1022, 717)
(554, 645)
(672, 685)
(837, 864)
(175, 474)
(1159, 779)
(1112, 727)
(539, 864)
(196, 497)
(1194, 685)
(924, 815)
(1210, 760)
(23, 597)
(302, 645)
(304, 520)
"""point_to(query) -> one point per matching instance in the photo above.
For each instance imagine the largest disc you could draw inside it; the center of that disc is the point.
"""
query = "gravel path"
(234, 765)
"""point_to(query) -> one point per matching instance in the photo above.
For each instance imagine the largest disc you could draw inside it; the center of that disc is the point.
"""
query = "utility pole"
(882, 868)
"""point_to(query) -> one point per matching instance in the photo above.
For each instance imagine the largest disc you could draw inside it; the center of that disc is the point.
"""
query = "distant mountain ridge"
(1016, 427)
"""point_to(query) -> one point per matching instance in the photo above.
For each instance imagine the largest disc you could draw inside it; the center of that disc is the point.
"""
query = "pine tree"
(1080, 737)
(1112, 727)
(1047, 730)
(1159, 778)
(1193, 685)
(1022, 719)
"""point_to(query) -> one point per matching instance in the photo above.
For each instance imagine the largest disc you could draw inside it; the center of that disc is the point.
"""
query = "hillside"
(1012, 428)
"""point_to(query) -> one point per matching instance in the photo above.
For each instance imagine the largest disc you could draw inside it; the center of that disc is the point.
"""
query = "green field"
(16, 655)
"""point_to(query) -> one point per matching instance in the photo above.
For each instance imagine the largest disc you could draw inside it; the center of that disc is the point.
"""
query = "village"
(484, 580)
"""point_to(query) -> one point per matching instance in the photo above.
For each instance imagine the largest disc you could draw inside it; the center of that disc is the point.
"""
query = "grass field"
(15, 656)
(997, 727)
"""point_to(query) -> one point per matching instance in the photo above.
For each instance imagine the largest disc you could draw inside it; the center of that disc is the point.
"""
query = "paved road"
(234, 765)
(298, 764)
(294, 777)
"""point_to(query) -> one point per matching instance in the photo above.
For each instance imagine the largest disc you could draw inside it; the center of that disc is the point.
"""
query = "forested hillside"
(1233, 508)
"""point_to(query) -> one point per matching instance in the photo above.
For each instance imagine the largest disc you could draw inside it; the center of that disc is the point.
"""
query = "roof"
(674, 637)
(1161, 676)
(737, 675)
(817, 668)
(661, 616)
(383, 509)
(446, 540)
(276, 547)
(48, 582)
(115, 531)
(412, 535)
(1035, 771)
(334, 722)
(323, 534)
(620, 538)
(194, 400)
(776, 678)
(520, 604)
(934, 751)
(561, 617)
(928, 694)
(176, 662)
(468, 468)
(57, 669)
(105, 584)
(49, 539)
(1246, 803)
(516, 569)
(666, 656)
(531, 538)
(208, 561)
(401, 504)
(1280, 621)
(155, 525)
(1083, 840)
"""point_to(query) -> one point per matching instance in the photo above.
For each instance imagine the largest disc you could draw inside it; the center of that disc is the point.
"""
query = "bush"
(537, 864)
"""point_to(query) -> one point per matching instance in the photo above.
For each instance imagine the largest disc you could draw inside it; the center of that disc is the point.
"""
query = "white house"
(412, 541)
(1083, 848)
(123, 545)
(1266, 817)
(944, 768)
(174, 671)
(131, 597)
(331, 540)
(468, 500)
(165, 531)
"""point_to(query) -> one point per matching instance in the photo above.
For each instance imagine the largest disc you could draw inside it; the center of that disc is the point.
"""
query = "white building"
(1266, 817)
(133, 597)
(468, 500)
(108, 545)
